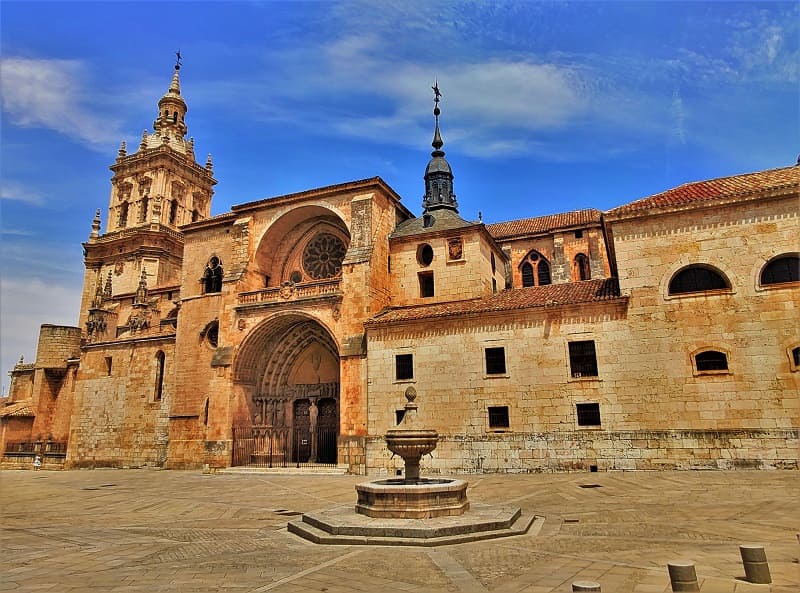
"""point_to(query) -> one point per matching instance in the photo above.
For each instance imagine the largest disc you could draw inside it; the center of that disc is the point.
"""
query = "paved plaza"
(150, 531)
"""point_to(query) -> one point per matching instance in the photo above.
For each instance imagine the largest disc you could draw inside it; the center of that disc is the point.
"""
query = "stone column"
(754, 559)
(682, 576)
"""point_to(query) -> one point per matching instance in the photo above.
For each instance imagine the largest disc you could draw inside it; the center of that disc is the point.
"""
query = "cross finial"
(178, 60)
(437, 95)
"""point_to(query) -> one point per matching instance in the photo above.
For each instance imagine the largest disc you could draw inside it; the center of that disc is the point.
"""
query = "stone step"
(339, 470)
(413, 533)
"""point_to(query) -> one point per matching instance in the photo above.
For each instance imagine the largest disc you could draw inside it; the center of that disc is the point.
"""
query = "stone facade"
(660, 334)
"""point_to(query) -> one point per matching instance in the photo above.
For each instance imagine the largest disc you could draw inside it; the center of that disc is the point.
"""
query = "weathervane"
(178, 61)
(437, 95)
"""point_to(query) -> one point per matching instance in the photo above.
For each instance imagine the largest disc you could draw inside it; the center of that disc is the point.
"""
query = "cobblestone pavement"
(152, 531)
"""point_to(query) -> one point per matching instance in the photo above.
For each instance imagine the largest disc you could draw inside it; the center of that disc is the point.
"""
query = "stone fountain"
(412, 510)
(412, 497)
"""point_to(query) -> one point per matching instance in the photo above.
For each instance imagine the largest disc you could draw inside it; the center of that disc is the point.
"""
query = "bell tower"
(154, 191)
(161, 184)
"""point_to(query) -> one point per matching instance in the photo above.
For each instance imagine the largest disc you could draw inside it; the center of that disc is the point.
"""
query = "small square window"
(582, 359)
(399, 415)
(579, 234)
(496, 361)
(498, 417)
(426, 284)
(404, 367)
(588, 414)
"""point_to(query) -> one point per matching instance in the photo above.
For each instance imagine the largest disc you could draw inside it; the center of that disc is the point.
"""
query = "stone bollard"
(682, 576)
(754, 559)
(585, 586)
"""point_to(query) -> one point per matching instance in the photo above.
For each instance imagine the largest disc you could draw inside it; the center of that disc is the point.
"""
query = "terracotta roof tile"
(519, 298)
(543, 224)
(713, 189)
(20, 409)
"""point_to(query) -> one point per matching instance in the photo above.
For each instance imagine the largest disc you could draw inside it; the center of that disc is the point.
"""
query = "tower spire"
(171, 107)
(438, 175)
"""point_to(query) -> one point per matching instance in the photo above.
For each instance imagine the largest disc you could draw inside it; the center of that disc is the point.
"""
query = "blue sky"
(548, 107)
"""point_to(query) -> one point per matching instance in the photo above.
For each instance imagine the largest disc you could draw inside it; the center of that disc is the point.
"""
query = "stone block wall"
(600, 451)
(117, 420)
(57, 344)
(455, 279)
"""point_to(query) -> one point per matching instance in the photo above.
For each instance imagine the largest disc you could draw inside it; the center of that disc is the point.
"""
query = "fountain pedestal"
(411, 511)
(412, 497)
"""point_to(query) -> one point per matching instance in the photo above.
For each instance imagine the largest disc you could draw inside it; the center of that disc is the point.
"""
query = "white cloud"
(25, 304)
(40, 93)
(11, 190)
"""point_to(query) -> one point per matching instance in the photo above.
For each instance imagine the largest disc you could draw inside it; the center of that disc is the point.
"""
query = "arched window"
(535, 270)
(143, 212)
(212, 277)
(697, 279)
(711, 360)
(123, 215)
(543, 272)
(527, 274)
(582, 267)
(784, 268)
(160, 363)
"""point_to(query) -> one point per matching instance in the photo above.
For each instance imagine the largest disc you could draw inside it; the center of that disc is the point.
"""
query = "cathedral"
(661, 334)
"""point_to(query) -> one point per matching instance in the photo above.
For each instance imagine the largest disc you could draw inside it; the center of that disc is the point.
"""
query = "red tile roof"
(519, 298)
(20, 409)
(543, 224)
(714, 189)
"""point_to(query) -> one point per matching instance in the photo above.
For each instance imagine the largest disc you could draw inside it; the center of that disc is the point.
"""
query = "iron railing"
(50, 449)
(269, 446)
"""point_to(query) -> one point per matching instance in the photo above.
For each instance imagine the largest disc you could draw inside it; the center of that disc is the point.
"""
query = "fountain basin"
(422, 498)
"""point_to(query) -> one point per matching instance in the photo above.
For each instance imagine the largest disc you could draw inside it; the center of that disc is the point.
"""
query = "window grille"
(588, 414)
(782, 269)
(498, 417)
(711, 360)
(495, 361)
(696, 279)
(583, 359)
(404, 367)
(527, 274)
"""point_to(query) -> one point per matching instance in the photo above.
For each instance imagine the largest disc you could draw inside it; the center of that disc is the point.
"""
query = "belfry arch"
(287, 373)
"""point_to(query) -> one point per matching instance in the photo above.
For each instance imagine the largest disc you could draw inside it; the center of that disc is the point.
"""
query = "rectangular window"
(496, 361)
(108, 366)
(579, 234)
(588, 414)
(399, 415)
(404, 367)
(498, 417)
(582, 359)
(426, 284)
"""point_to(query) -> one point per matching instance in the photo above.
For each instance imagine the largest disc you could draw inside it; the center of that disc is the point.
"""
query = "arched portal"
(288, 372)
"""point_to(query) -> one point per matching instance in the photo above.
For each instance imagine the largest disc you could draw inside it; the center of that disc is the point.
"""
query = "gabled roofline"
(238, 210)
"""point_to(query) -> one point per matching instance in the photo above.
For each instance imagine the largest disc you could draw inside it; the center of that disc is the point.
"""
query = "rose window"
(322, 257)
